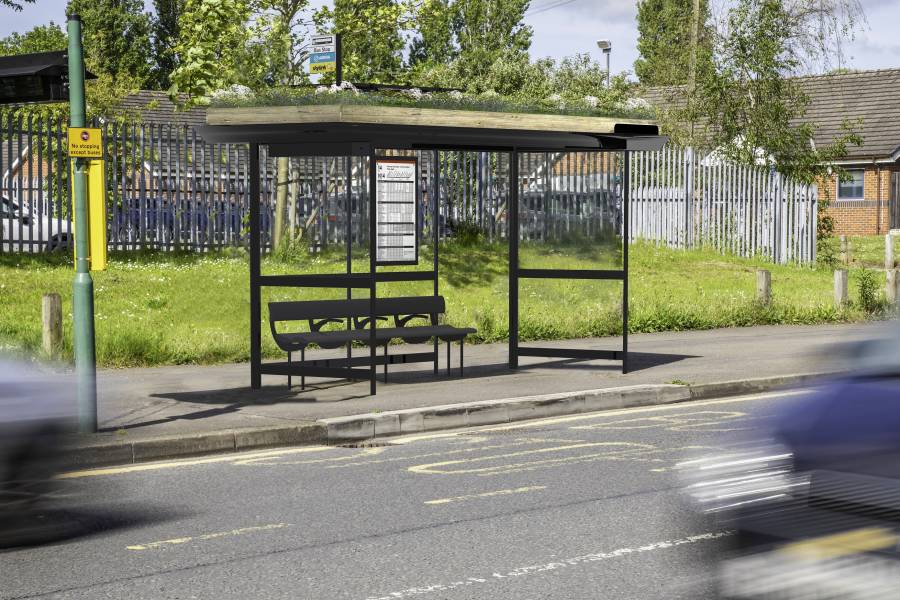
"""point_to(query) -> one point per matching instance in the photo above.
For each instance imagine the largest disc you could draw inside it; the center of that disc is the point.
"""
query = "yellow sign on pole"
(96, 177)
(85, 142)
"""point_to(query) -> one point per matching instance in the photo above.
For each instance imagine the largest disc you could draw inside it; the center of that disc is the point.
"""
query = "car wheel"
(58, 242)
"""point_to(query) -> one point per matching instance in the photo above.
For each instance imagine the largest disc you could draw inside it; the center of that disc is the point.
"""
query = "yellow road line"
(207, 536)
(842, 544)
(594, 415)
(520, 490)
(155, 466)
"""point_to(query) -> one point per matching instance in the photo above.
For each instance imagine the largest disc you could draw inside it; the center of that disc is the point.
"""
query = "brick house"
(868, 203)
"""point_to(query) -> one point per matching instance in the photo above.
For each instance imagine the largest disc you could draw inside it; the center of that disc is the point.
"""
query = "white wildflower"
(234, 92)
(322, 89)
(456, 94)
(591, 101)
(636, 104)
(415, 93)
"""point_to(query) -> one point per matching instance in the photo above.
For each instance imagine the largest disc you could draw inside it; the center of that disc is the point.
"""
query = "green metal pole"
(83, 288)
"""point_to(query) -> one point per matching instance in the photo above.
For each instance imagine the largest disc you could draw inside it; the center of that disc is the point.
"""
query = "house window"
(851, 188)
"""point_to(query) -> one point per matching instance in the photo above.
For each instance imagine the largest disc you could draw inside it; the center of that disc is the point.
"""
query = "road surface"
(580, 507)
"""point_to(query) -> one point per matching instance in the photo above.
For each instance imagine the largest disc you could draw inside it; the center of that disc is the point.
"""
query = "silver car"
(32, 233)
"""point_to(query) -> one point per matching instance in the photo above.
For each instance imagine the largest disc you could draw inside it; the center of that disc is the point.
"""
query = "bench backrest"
(316, 310)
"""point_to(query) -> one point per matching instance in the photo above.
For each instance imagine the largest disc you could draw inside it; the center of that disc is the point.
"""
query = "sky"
(566, 27)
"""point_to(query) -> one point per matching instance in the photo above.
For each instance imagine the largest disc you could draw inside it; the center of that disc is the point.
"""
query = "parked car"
(22, 229)
(815, 509)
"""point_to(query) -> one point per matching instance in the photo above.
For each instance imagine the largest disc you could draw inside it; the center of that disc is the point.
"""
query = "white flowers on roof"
(345, 86)
(235, 91)
(416, 93)
(636, 104)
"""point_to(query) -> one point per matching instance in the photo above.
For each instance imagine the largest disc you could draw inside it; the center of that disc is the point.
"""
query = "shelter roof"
(355, 129)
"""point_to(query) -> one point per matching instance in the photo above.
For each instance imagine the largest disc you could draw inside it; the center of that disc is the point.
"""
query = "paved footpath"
(137, 404)
(580, 507)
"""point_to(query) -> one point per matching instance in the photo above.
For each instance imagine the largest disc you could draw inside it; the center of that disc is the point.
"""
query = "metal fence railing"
(169, 189)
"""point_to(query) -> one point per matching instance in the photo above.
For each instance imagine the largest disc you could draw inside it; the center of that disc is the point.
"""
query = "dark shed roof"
(155, 107)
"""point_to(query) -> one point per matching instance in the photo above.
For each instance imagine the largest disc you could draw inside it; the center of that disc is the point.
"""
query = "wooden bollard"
(51, 317)
(764, 287)
(892, 286)
(841, 292)
(889, 252)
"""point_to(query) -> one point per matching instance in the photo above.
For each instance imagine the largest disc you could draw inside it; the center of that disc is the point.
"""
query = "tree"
(371, 37)
(750, 106)
(116, 37)
(275, 52)
(43, 38)
(488, 29)
(211, 42)
(165, 31)
(16, 6)
(664, 41)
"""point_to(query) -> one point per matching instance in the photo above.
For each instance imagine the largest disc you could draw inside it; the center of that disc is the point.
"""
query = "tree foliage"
(165, 31)
(43, 38)
(116, 36)
(750, 107)
(664, 41)
(372, 37)
(16, 6)
(212, 37)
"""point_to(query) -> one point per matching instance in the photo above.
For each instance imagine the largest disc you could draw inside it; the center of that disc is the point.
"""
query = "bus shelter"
(528, 146)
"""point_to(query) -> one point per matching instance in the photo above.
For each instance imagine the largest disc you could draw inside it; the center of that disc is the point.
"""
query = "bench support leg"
(303, 377)
(289, 375)
(448, 358)
(462, 344)
(385, 362)
(436, 342)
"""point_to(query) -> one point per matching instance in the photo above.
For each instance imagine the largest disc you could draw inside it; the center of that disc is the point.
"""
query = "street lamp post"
(606, 46)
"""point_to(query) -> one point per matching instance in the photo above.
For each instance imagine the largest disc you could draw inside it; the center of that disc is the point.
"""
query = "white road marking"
(550, 566)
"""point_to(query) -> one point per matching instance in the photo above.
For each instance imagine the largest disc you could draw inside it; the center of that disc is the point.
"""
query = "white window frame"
(862, 196)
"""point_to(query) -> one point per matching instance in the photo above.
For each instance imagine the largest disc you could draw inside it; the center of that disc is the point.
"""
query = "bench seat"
(292, 342)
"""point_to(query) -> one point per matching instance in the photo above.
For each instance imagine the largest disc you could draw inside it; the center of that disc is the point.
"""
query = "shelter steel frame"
(347, 368)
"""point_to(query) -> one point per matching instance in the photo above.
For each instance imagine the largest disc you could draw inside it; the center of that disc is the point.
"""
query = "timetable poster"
(396, 211)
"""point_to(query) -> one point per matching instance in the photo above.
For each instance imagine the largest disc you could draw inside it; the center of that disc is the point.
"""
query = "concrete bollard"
(51, 317)
(764, 287)
(845, 254)
(841, 290)
(889, 252)
(892, 286)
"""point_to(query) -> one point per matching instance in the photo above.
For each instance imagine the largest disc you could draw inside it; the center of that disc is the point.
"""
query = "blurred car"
(35, 415)
(815, 508)
(35, 234)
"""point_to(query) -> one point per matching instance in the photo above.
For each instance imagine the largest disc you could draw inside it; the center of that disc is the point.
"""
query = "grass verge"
(164, 308)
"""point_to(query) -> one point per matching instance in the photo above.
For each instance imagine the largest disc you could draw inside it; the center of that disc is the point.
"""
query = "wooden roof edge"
(414, 116)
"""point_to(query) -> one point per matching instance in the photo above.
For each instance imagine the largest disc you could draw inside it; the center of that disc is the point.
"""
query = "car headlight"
(749, 476)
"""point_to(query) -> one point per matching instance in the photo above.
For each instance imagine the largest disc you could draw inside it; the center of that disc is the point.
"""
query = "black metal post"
(625, 235)
(435, 234)
(373, 232)
(255, 316)
(348, 214)
(338, 58)
(512, 212)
